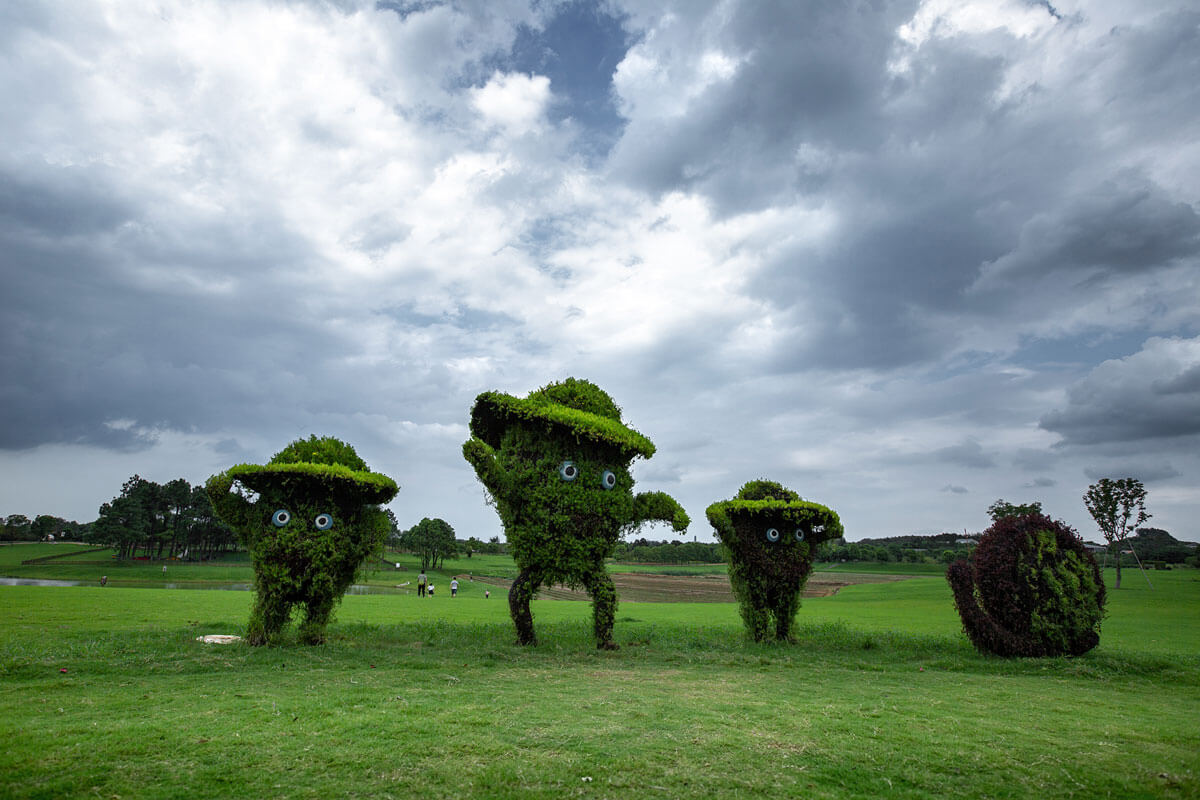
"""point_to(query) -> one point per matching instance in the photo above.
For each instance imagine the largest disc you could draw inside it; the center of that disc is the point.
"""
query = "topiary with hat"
(556, 466)
(771, 535)
(309, 518)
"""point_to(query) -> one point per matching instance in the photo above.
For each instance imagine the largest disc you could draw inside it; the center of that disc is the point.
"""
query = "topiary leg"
(785, 614)
(267, 618)
(519, 597)
(316, 616)
(604, 608)
(754, 609)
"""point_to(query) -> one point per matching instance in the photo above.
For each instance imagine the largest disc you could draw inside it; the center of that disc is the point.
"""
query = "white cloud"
(946, 18)
(517, 103)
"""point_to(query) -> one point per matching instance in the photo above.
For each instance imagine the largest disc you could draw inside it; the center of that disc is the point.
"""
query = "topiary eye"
(608, 480)
(818, 529)
(568, 471)
(281, 517)
(772, 535)
(799, 534)
(323, 522)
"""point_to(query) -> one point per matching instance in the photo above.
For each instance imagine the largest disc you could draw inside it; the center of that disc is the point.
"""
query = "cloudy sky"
(904, 257)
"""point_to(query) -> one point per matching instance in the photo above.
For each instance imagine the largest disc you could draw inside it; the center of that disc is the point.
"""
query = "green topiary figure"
(309, 518)
(556, 465)
(771, 536)
(1030, 589)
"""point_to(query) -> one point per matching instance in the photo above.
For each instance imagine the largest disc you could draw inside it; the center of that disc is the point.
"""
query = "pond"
(34, 582)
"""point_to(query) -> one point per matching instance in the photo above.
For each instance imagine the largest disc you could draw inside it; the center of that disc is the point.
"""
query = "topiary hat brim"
(335, 479)
(796, 511)
(494, 412)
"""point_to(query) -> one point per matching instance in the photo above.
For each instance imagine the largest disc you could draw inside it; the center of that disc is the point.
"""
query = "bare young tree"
(1113, 505)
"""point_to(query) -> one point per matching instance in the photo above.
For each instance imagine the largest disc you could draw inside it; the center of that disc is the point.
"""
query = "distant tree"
(45, 526)
(125, 523)
(432, 540)
(207, 534)
(17, 528)
(1002, 508)
(162, 521)
(1113, 505)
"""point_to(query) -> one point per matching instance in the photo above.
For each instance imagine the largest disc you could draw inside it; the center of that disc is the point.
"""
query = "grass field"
(106, 692)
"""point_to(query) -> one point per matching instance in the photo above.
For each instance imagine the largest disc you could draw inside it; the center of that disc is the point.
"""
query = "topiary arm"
(230, 506)
(659, 507)
(482, 457)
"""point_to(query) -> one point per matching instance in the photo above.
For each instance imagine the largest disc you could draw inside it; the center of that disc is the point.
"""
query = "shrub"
(1030, 589)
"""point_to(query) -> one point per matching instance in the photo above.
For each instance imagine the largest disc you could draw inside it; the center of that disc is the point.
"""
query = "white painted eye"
(818, 529)
(799, 534)
(323, 522)
(608, 480)
(281, 517)
(772, 535)
(568, 471)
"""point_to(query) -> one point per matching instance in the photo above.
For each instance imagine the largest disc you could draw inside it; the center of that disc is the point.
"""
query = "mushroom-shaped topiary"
(556, 465)
(309, 517)
(1030, 589)
(771, 536)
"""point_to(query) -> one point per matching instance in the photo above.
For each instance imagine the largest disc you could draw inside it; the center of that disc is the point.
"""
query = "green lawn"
(105, 692)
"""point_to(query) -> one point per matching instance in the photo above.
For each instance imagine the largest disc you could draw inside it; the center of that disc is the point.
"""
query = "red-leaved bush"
(1030, 589)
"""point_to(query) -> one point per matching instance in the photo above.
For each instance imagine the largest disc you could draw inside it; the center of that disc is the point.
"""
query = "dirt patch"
(644, 587)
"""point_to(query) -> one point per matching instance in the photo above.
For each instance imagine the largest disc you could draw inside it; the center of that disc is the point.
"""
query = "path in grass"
(648, 587)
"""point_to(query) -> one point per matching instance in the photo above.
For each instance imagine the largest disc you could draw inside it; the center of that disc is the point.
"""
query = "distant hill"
(939, 541)
(1155, 544)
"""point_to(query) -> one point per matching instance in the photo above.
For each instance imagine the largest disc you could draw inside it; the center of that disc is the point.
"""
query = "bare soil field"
(642, 587)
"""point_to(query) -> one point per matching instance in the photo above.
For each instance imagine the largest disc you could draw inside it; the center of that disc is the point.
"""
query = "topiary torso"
(1031, 588)
(562, 528)
(299, 560)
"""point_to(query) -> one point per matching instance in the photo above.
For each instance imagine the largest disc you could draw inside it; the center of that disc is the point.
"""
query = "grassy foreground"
(106, 692)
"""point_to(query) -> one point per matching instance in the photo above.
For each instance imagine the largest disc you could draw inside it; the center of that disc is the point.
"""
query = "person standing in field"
(454, 587)
(421, 580)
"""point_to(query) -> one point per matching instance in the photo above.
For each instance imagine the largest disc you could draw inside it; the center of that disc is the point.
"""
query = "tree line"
(171, 520)
(669, 552)
(20, 528)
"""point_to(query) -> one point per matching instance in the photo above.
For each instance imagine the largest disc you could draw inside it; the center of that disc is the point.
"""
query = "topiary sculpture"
(771, 536)
(556, 465)
(1030, 589)
(309, 517)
